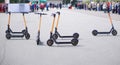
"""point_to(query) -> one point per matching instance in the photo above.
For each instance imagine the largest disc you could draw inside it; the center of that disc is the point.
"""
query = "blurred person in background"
(104, 7)
(42, 6)
(47, 6)
(119, 8)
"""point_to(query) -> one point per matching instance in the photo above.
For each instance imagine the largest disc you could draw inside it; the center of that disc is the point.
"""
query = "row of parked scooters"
(54, 35)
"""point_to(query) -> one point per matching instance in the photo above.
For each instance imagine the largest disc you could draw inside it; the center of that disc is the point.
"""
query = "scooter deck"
(62, 42)
(17, 32)
(103, 32)
(17, 35)
(10, 31)
(63, 36)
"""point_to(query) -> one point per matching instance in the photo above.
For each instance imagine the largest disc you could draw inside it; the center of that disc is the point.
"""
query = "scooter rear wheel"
(8, 35)
(74, 42)
(114, 32)
(50, 42)
(75, 35)
(95, 32)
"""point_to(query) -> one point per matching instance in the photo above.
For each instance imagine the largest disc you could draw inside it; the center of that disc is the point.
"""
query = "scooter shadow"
(66, 45)
(19, 39)
(108, 35)
(67, 39)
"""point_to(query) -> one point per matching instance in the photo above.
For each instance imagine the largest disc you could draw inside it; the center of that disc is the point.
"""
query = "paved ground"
(100, 14)
(91, 50)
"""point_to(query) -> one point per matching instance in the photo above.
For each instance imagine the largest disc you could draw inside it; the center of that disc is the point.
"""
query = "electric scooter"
(10, 33)
(56, 34)
(50, 41)
(38, 37)
(112, 30)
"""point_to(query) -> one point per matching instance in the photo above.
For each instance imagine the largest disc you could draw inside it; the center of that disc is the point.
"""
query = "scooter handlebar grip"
(41, 13)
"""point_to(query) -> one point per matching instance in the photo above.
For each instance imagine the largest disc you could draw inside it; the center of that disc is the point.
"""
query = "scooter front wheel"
(7, 31)
(95, 32)
(27, 36)
(38, 41)
(74, 42)
(114, 32)
(50, 42)
(8, 35)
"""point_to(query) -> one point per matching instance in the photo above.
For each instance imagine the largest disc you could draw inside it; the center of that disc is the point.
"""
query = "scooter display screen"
(19, 8)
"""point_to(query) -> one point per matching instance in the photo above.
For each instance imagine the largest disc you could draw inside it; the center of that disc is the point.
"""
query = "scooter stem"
(24, 20)
(9, 18)
(54, 15)
(110, 19)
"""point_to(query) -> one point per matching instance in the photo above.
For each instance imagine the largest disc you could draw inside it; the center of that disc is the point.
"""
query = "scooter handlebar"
(18, 12)
(58, 13)
(41, 13)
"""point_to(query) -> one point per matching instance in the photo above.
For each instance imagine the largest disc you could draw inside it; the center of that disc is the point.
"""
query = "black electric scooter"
(113, 31)
(50, 41)
(38, 37)
(56, 34)
(10, 33)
